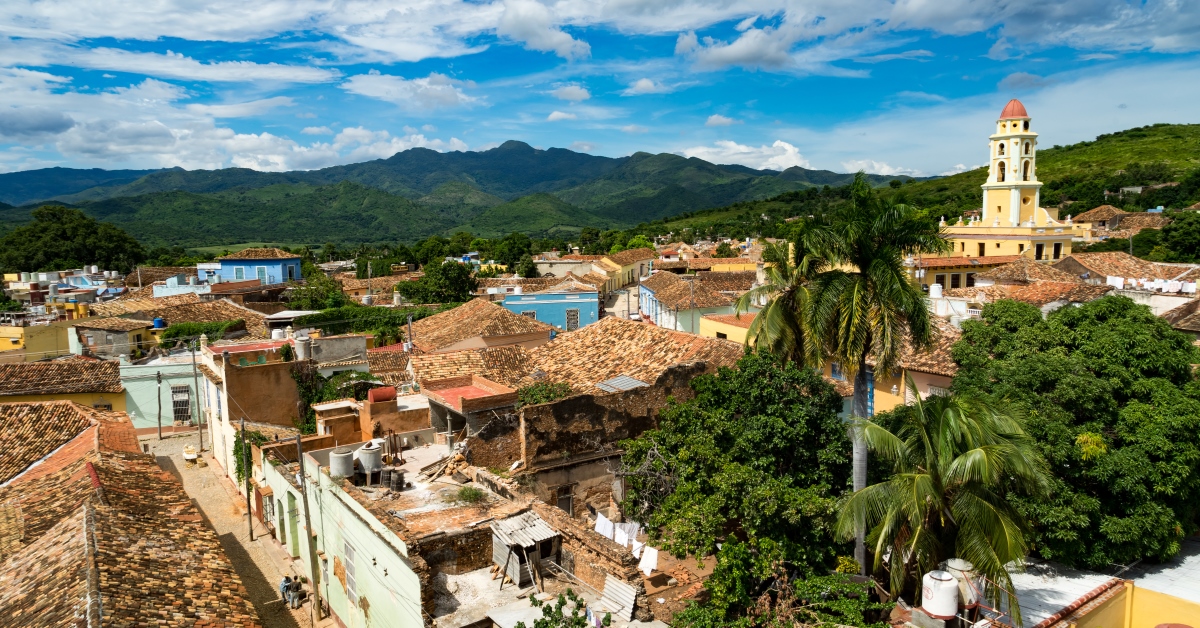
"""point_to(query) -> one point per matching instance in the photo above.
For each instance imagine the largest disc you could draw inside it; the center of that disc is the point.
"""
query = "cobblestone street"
(261, 563)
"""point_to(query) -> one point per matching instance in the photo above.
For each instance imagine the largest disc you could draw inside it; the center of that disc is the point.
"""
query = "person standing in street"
(284, 587)
(294, 593)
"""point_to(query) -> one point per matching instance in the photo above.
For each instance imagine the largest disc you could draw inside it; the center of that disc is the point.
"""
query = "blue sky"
(910, 86)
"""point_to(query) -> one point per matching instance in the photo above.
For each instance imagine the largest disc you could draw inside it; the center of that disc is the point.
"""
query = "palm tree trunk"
(858, 465)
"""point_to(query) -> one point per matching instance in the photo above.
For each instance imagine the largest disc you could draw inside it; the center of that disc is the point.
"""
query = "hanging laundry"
(620, 537)
(649, 561)
(637, 549)
(632, 529)
(603, 526)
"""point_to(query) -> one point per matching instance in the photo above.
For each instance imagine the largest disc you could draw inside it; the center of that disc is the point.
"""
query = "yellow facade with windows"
(726, 327)
(104, 401)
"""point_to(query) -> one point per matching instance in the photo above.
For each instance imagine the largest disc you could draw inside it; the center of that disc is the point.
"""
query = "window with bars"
(572, 320)
(529, 314)
(351, 589)
(181, 403)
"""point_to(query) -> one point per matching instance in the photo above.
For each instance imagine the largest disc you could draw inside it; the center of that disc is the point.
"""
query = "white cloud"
(907, 54)
(428, 128)
(907, 95)
(32, 122)
(634, 128)
(555, 116)
(317, 130)
(532, 22)
(871, 166)
(1024, 81)
(582, 147)
(244, 109)
(436, 91)
(717, 119)
(573, 93)
(646, 86)
(177, 66)
(686, 43)
(778, 156)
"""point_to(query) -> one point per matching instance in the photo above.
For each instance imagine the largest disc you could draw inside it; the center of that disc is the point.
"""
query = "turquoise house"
(270, 266)
(568, 305)
(177, 393)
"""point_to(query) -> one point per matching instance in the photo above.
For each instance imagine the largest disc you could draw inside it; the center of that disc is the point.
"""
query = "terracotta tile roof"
(1186, 317)
(582, 258)
(526, 284)
(595, 279)
(632, 256)
(209, 373)
(1044, 292)
(979, 294)
(614, 346)
(152, 274)
(109, 531)
(732, 319)
(1026, 270)
(260, 254)
(692, 294)
(128, 306)
(662, 264)
(31, 431)
(112, 324)
(1110, 264)
(955, 262)
(702, 263)
(1178, 272)
(145, 292)
(568, 284)
(380, 284)
(476, 318)
(935, 360)
(503, 365)
(209, 312)
(1103, 212)
(843, 387)
(60, 377)
(1131, 224)
(385, 360)
(660, 281)
(736, 281)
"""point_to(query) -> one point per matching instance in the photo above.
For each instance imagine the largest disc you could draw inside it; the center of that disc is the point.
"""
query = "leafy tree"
(782, 326)
(639, 242)
(432, 250)
(863, 301)
(832, 601)
(190, 331)
(329, 253)
(318, 292)
(954, 460)
(526, 268)
(174, 256)
(542, 392)
(725, 468)
(512, 248)
(448, 282)
(1114, 407)
(614, 249)
(1182, 237)
(460, 243)
(725, 251)
(8, 304)
(60, 238)
(566, 612)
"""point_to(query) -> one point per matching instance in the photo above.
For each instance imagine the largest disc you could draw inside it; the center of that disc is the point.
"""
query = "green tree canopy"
(639, 242)
(727, 467)
(60, 238)
(1114, 407)
(1181, 236)
(527, 268)
(725, 251)
(447, 282)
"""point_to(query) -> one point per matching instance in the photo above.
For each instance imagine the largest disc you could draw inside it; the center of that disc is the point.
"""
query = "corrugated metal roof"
(618, 598)
(619, 383)
(526, 529)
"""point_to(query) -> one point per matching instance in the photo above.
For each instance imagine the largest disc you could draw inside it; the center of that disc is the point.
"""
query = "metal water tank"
(341, 462)
(397, 480)
(302, 346)
(385, 477)
(96, 269)
(935, 291)
(939, 595)
(370, 457)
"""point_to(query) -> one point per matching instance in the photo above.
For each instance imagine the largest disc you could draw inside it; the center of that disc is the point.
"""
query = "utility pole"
(247, 460)
(196, 384)
(158, 376)
(312, 549)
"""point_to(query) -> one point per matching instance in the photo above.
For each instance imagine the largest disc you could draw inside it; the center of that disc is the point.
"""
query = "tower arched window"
(1001, 148)
(1027, 148)
(1027, 125)
(1000, 172)
(1025, 171)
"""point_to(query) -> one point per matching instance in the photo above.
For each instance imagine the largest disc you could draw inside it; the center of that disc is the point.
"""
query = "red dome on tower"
(1014, 109)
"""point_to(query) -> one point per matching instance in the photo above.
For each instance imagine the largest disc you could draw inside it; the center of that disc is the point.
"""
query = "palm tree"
(782, 326)
(864, 302)
(954, 458)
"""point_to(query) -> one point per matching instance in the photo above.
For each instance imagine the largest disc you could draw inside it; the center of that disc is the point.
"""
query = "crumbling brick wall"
(593, 557)
(458, 552)
(586, 424)
(498, 444)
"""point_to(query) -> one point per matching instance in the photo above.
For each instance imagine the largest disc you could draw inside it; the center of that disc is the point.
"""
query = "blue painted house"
(270, 266)
(568, 305)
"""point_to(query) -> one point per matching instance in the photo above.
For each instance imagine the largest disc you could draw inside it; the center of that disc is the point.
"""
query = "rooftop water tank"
(159, 323)
(95, 269)
(370, 457)
(935, 291)
(518, 290)
(383, 393)
(968, 583)
(341, 462)
(53, 289)
(277, 334)
(939, 595)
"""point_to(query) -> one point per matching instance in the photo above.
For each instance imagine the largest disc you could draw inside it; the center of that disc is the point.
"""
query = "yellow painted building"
(727, 326)
(1012, 221)
(86, 381)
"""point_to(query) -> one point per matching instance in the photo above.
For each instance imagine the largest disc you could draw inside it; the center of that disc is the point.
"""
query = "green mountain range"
(408, 196)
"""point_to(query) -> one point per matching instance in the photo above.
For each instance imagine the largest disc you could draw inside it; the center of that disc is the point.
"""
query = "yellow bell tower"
(1012, 193)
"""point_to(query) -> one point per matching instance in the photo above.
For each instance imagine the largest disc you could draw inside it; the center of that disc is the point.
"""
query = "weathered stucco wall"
(265, 393)
(457, 553)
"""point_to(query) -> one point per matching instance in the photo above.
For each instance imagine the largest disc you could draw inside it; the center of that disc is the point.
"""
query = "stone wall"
(498, 444)
(456, 553)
